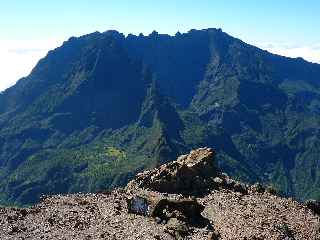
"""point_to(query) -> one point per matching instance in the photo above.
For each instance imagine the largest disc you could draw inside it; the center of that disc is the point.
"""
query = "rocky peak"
(190, 174)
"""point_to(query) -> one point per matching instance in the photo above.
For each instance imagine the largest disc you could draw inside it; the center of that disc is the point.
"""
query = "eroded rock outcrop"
(190, 175)
(193, 174)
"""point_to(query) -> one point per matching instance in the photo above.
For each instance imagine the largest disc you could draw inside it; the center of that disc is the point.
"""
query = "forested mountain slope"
(103, 106)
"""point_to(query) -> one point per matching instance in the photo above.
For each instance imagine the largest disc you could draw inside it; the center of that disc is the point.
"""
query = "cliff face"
(158, 204)
(103, 106)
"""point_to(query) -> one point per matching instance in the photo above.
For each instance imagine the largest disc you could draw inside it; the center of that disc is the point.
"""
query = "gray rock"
(191, 174)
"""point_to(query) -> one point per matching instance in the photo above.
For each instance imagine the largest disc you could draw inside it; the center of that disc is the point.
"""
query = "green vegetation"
(116, 153)
(103, 107)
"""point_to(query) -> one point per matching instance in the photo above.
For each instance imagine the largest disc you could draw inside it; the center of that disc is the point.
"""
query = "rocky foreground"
(186, 199)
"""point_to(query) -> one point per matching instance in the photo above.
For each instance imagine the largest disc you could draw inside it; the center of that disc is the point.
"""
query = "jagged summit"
(140, 211)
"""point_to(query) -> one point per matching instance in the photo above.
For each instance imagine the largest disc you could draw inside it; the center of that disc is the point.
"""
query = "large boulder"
(190, 174)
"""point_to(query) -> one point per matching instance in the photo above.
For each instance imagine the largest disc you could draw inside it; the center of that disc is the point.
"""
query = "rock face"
(157, 205)
(191, 174)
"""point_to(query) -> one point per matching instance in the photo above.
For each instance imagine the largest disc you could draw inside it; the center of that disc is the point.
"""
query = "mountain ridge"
(104, 106)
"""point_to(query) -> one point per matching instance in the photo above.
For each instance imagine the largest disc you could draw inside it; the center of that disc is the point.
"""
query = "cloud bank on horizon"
(18, 58)
(310, 53)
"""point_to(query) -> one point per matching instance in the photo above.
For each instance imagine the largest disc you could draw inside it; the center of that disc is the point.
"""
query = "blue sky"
(30, 28)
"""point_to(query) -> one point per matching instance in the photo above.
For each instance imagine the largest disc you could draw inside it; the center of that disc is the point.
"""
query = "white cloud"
(310, 53)
(17, 58)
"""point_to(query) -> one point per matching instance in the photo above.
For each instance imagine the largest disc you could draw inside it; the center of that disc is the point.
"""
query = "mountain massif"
(104, 106)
